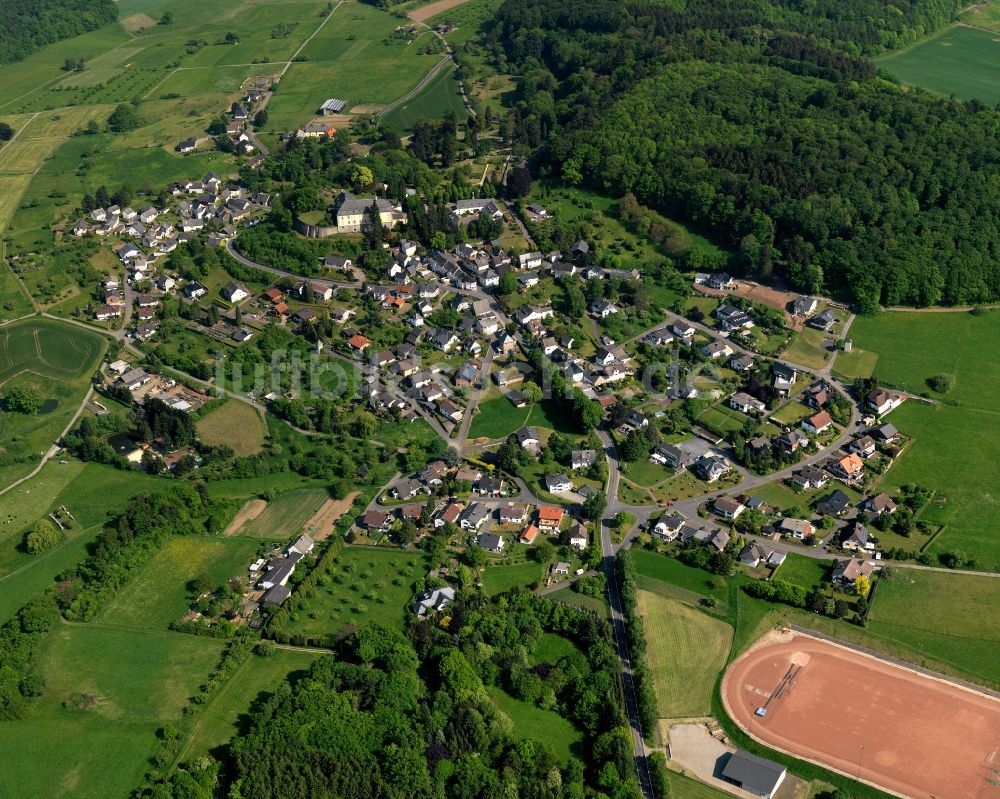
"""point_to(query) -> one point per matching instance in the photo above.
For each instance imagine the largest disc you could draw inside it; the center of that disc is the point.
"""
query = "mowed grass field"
(686, 650)
(107, 692)
(503, 577)
(944, 616)
(439, 99)
(286, 515)
(962, 61)
(954, 445)
(159, 594)
(235, 424)
(367, 584)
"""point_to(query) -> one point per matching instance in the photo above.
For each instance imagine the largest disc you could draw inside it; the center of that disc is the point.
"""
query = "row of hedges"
(636, 639)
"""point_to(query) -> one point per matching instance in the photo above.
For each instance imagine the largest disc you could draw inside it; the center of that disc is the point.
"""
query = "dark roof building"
(754, 774)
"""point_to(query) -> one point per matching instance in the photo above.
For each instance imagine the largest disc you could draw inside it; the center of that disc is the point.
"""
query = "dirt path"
(320, 526)
(250, 511)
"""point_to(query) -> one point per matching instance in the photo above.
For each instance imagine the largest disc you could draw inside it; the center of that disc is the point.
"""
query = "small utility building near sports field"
(754, 774)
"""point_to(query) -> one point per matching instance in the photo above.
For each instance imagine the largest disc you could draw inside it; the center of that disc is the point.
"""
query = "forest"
(766, 125)
(29, 25)
(393, 715)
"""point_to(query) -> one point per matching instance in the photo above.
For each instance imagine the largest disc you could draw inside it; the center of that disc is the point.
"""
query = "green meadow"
(94, 729)
(961, 61)
(159, 594)
(954, 441)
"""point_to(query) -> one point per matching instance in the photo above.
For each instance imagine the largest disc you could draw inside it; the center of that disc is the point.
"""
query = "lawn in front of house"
(502, 577)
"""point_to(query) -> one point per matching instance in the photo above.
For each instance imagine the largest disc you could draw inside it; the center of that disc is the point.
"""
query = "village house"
(818, 423)
(578, 537)
(879, 504)
(433, 600)
(849, 467)
(881, 401)
(558, 483)
(550, 517)
(846, 572)
(668, 527)
(491, 542)
(809, 477)
(668, 455)
(582, 459)
(728, 508)
(744, 403)
(796, 528)
(376, 520)
(834, 505)
(513, 513)
(529, 535)
(474, 516)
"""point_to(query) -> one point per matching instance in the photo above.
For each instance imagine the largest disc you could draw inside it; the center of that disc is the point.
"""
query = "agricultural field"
(545, 726)
(962, 61)
(94, 729)
(159, 594)
(353, 57)
(439, 99)
(235, 424)
(286, 515)
(953, 444)
(685, 651)
(366, 584)
(55, 361)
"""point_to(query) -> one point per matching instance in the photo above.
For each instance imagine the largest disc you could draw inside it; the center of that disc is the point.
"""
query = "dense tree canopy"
(29, 25)
(766, 124)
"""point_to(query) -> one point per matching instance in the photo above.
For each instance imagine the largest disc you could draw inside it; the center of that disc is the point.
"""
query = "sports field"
(235, 424)
(286, 515)
(685, 651)
(962, 61)
(904, 732)
(953, 444)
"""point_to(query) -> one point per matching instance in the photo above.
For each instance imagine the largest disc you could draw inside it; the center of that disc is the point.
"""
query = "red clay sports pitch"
(909, 734)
